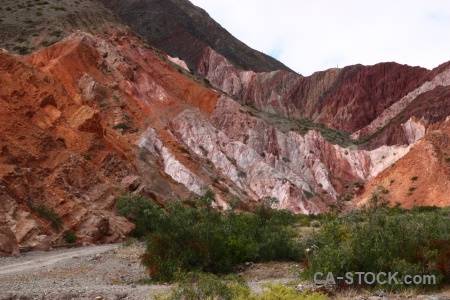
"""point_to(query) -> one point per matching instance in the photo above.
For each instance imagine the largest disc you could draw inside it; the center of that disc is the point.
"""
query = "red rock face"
(421, 177)
(432, 107)
(91, 117)
(346, 99)
(8, 242)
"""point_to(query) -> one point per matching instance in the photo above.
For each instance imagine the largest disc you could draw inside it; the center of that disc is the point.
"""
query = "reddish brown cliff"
(93, 116)
(421, 177)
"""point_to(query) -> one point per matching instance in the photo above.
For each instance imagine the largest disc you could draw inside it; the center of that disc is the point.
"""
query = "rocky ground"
(114, 272)
(100, 272)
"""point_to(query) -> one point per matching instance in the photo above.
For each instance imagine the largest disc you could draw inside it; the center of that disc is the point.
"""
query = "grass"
(209, 286)
(49, 214)
(302, 126)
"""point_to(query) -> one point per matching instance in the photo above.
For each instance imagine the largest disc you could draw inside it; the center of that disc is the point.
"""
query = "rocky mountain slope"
(372, 106)
(30, 25)
(104, 112)
(186, 31)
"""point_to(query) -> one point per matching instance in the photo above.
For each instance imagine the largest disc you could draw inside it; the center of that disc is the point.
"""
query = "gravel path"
(97, 272)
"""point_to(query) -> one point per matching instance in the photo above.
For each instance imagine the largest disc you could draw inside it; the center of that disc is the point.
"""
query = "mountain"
(27, 26)
(104, 111)
(188, 32)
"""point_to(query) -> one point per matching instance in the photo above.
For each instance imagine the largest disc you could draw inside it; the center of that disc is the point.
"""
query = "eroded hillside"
(97, 115)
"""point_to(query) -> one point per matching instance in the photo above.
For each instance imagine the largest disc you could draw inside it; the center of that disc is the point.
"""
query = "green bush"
(70, 237)
(381, 239)
(49, 214)
(286, 159)
(242, 174)
(198, 237)
(123, 126)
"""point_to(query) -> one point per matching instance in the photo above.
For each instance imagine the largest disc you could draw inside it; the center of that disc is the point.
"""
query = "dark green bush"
(123, 126)
(242, 174)
(381, 239)
(198, 237)
(49, 214)
(70, 237)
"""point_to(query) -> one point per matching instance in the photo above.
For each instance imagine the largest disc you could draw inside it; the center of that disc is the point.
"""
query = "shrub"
(232, 160)
(22, 50)
(122, 125)
(49, 214)
(242, 174)
(381, 239)
(308, 194)
(286, 159)
(198, 237)
(183, 149)
(414, 178)
(70, 237)
(349, 197)
(205, 152)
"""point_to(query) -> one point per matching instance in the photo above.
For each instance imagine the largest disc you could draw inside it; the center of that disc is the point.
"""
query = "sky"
(315, 35)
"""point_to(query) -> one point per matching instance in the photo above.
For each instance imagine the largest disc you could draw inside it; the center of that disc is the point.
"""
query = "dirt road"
(36, 260)
(97, 272)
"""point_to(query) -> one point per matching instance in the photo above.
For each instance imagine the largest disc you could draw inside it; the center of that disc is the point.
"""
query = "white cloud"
(314, 35)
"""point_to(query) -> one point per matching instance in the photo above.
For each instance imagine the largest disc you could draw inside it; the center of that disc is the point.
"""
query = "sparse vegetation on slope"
(302, 126)
(27, 26)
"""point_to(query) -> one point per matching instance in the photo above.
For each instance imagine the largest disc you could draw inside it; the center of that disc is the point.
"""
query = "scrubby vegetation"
(191, 236)
(123, 126)
(382, 239)
(194, 236)
(70, 237)
(208, 286)
(48, 213)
